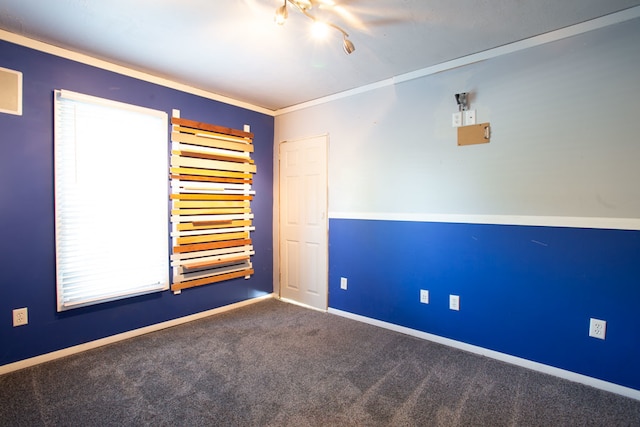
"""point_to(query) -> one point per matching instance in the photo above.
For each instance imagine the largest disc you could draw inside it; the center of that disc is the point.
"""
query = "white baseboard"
(21, 364)
(290, 301)
(535, 366)
(561, 373)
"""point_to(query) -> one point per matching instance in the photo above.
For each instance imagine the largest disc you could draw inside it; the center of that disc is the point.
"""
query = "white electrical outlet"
(454, 302)
(597, 328)
(424, 296)
(343, 283)
(456, 119)
(470, 117)
(20, 316)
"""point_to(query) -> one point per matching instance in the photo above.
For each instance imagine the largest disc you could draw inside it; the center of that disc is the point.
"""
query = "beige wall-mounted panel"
(474, 134)
(10, 91)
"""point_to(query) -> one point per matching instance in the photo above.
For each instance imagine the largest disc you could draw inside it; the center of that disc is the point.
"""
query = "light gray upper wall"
(565, 120)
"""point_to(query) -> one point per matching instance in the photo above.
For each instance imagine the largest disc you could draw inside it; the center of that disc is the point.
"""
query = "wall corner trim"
(503, 357)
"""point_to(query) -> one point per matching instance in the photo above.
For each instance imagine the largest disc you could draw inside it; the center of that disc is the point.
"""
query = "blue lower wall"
(526, 291)
(27, 246)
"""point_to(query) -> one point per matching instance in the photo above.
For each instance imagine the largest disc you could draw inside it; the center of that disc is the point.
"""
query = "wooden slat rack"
(211, 219)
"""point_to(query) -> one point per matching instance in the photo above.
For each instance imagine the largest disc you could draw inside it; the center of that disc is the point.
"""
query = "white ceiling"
(233, 48)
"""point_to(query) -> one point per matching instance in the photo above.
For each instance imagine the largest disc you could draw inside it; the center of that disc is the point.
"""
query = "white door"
(303, 221)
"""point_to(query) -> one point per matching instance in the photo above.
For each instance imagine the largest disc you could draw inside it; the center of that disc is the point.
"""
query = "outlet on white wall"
(456, 119)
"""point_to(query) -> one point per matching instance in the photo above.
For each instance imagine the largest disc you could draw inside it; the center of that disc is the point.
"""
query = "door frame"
(277, 235)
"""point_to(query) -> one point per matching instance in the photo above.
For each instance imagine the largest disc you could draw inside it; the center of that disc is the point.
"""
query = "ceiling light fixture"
(304, 6)
(281, 14)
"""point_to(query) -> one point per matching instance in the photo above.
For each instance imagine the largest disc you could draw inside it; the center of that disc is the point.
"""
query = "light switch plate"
(470, 117)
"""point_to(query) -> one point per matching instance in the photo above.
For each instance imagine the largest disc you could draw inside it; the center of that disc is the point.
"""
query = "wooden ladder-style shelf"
(211, 175)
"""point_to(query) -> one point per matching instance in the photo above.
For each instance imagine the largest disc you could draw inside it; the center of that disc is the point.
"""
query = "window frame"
(156, 201)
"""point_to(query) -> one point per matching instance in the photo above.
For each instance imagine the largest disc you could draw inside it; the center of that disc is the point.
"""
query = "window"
(111, 201)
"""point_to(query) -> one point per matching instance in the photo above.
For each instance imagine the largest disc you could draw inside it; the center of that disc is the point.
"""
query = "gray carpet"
(276, 364)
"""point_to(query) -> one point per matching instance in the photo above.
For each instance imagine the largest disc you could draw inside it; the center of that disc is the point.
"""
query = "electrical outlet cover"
(343, 283)
(597, 328)
(424, 296)
(20, 316)
(454, 302)
(456, 119)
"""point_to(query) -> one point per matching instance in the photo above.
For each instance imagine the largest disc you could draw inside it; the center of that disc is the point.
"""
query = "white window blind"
(111, 205)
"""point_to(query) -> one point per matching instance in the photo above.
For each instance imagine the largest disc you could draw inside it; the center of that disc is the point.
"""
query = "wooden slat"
(184, 274)
(209, 172)
(206, 225)
(212, 164)
(212, 252)
(211, 204)
(239, 155)
(212, 238)
(197, 196)
(211, 135)
(220, 261)
(213, 223)
(184, 188)
(220, 188)
(221, 211)
(222, 256)
(206, 187)
(230, 253)
(210, 156)
(181, 274)
(210, 231)
(212, 245)
(213, 279)
(209, 127)
(212, 179)
(210, 142)
(191, 218)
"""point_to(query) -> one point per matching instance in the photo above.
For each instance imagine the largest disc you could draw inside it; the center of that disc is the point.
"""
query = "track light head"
(305, 6)
(281, 14)
(347, 45)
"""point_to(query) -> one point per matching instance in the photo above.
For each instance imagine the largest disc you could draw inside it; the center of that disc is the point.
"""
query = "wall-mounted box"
(10, 91)
(474, 134)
